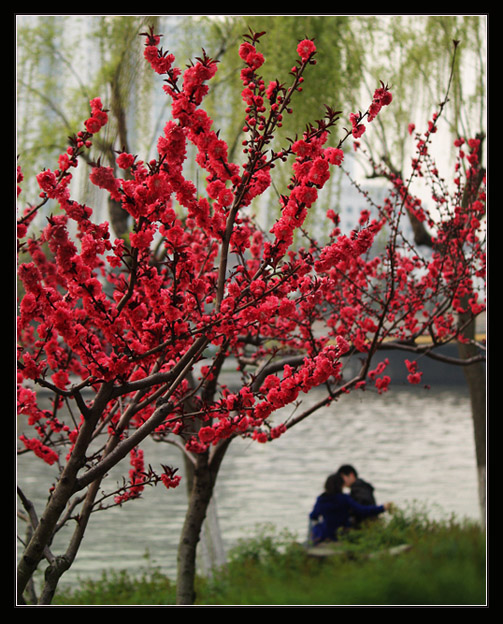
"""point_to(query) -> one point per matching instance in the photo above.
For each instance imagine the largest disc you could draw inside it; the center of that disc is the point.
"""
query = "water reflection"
(412, 444)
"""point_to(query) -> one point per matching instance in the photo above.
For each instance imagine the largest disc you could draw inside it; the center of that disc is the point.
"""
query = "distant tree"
(79, 55)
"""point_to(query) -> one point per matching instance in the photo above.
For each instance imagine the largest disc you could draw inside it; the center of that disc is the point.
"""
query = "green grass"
(444, 565)
(150, 587)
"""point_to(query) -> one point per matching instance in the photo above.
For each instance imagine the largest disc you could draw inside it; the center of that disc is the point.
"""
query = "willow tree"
(414, 51)
(79, 55)
(338, 80)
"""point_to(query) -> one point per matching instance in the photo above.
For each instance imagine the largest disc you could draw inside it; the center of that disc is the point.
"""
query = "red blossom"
(250, 55)
(207, 435)
(98, 118)
(306, 49)
(335, 155)
(382, 383)
(414, 376)
(170, 481)
(382, 97)
(105, 179)
(41, 450)
(125, 161)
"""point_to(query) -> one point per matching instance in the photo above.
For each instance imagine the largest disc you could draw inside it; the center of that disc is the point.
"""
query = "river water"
(415, 446)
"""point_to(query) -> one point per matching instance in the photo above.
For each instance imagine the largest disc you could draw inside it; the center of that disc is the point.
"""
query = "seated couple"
(335, 511)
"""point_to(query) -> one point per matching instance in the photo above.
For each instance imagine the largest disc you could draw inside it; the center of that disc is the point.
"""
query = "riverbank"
(444, 564)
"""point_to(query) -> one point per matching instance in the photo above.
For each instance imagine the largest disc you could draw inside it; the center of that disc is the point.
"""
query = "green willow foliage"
(329, 81)
(83, 56)
(62, 62)
(412, 53)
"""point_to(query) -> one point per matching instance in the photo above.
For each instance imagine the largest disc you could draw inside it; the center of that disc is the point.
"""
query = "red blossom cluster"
(135, 316)
(41, 450)
(98, 117)
(382, 97)
(414, 376)
(136, 478)
(170, 481)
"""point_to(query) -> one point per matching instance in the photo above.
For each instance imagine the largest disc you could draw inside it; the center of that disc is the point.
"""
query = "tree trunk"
(203, 481)
(211, 549)
(202, 489)
(212, 552)
(475, 376)
(43, 533)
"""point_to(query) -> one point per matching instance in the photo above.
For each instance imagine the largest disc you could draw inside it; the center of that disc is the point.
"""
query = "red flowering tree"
(116, 328)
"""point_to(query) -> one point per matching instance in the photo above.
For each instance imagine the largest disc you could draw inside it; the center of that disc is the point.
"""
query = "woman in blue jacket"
(333, 510)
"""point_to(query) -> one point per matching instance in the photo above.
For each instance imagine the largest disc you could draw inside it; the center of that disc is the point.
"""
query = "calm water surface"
(415, 446)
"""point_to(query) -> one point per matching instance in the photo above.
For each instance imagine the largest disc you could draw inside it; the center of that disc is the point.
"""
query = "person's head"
(334, 484)
(348, 474)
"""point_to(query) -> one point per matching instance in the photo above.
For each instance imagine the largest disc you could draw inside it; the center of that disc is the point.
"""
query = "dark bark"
(204, 477)
(475, 375)
(65, 488)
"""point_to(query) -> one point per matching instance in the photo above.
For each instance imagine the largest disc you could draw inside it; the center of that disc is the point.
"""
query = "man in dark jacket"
(361, 491)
